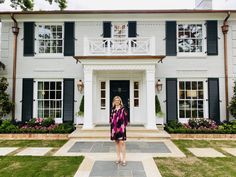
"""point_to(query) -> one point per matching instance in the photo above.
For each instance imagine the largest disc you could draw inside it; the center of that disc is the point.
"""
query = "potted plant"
(80, 114)
(159, 113)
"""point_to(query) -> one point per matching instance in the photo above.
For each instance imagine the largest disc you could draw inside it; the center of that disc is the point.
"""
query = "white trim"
(205, 95)
(35, 104)
(47, 55)
(202, 54)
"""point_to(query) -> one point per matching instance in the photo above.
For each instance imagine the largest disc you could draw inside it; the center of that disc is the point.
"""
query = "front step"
(133, 133)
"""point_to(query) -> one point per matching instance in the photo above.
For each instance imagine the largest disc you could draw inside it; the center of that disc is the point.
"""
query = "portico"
(138, 94)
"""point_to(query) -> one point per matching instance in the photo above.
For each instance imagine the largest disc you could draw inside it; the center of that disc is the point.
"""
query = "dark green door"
(120, 88)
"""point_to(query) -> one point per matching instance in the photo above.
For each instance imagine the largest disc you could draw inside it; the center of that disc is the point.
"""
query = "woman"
(118, 122)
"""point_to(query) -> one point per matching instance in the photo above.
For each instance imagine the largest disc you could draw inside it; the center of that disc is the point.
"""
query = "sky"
(124, 4)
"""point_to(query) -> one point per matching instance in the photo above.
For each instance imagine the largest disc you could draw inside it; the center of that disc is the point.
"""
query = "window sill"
(49, 56)
(202, 55)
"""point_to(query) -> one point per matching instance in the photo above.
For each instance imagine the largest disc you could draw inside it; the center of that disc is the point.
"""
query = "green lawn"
(199, 167)
(32, 143)
(47, 166)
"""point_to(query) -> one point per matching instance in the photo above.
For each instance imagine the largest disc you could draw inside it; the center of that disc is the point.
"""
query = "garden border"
(33, 136)
(176, 136)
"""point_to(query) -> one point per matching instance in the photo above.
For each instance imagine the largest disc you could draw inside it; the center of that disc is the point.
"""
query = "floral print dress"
(118, 122)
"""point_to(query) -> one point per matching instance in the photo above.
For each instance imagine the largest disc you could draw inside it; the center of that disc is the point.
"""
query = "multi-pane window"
(49, 99)
(191, 99)
(190, 38)
(103, 95)
(50, 38)
(136, 94)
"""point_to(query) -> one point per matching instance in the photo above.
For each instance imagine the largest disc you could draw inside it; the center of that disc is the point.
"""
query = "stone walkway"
(100, 156)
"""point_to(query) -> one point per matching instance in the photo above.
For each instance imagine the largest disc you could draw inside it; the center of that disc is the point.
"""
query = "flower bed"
(201, 126)
(36, 125)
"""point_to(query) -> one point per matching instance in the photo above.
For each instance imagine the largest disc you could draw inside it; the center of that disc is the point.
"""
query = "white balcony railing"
(119, 46)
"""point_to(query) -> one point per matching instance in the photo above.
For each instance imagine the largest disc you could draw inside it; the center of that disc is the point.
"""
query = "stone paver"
(34, 151)
(205, 152)
(132, 147)
(7, 150)
(110, 169)
(231, 151)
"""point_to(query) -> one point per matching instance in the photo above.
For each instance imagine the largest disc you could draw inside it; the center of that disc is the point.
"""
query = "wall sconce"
(159, 85)
(15, 29)
(80, 85)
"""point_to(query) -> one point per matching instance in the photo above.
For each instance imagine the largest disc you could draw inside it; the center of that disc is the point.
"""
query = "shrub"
(6, 105)
(174, 124)
(232, 105)
(200, 126)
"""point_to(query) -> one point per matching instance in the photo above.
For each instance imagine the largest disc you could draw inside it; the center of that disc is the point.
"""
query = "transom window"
(190, 38)
(50, 39)
(49, 99)
(191, 99)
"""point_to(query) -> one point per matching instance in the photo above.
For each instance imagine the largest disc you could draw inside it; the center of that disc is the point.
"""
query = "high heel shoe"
(123, 163)
(118, 161)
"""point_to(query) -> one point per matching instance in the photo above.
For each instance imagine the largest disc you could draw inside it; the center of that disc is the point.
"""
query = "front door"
(120, 88)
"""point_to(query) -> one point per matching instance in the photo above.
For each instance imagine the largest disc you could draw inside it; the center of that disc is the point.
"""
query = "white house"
(177, 55)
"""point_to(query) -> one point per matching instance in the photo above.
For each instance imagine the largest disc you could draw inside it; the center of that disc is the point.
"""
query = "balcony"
(119, 46)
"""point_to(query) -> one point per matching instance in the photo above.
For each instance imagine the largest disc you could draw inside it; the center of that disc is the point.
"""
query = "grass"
(32, 143)
(47, 166)
(199, 167)
(43, 166)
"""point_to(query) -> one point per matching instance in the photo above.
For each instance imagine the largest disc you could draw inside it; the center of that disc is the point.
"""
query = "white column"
(150, 98)
(88, 98)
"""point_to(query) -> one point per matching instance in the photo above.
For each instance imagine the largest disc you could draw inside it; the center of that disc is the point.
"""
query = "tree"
(28, 5)
(232, 105)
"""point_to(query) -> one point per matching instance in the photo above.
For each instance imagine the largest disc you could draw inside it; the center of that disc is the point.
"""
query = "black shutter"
(106, 29)
(212, 37)
(132, 29)
(213, 99)
(68, 100)
(171, 99)
(27, 99)
(29, 38)
(69, 39)
(171, 38)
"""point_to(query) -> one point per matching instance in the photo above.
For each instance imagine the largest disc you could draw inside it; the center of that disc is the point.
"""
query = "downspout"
(15, 31)
(225, 29)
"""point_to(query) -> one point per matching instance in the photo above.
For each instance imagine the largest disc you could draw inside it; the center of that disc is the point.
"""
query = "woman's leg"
(118, 150)
(123, 149)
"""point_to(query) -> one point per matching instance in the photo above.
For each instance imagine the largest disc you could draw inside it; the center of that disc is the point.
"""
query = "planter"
(160, 120)
(79, 120)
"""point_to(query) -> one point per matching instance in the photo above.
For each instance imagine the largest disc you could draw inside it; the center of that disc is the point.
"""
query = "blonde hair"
(113, 101)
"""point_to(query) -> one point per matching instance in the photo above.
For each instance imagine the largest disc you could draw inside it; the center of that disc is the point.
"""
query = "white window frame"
(104, 98)
(136, 98)
(204, 47)
(35, 110)
(36, 43)
(205, 95)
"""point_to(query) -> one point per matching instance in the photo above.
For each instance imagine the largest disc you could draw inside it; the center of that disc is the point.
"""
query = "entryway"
(121, 88)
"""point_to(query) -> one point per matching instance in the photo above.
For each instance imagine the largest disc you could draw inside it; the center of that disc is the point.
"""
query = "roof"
(116, 11)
